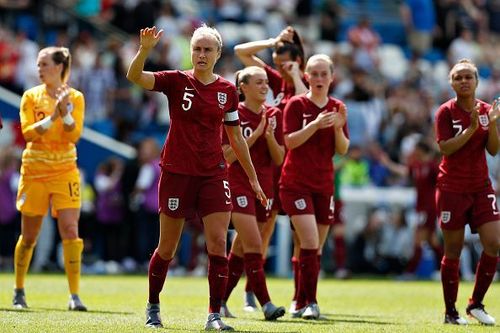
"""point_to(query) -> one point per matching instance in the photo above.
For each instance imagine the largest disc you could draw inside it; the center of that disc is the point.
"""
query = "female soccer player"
(262, 128)
(51, 121)
(194, 173)
(465, 128)
(422, 167)
(314, 128)
(286, 81)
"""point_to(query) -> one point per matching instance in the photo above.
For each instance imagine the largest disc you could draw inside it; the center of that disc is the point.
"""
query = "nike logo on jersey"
(456, 121)
(307, 115)
(188, 88)
(245, 123)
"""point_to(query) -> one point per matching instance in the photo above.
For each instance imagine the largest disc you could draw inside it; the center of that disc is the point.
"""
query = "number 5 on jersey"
(187, 101)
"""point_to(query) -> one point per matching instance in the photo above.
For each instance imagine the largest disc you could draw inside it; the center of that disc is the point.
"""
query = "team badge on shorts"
(242, 201)
(484, 120)
(173, 203)
(445, 216)
(300, 204)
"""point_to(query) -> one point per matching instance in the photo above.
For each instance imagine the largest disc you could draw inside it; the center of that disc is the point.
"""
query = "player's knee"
(29, 239)
(492, 245)
(216, 244)
(165, 253)
(69, 232)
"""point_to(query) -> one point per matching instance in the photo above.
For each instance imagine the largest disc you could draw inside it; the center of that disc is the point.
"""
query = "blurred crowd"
(391, 90)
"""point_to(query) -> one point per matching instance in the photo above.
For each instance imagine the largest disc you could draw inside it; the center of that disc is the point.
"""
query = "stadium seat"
(393, 63)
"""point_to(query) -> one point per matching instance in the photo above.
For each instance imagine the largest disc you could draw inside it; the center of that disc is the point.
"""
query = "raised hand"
(325, 119)
(494, 111)
(62, 96)
(291, 67)
(340, 117)
(270, 129)
(262, 125)
(286, 35)
(149, 37)
(474, 118)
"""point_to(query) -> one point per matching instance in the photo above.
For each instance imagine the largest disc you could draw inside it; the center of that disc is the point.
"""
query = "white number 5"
(186, 105)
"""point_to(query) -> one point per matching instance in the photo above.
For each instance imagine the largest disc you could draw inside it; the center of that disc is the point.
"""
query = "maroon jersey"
(282, 92)
(465, 170)
(259, 152)
(424, 175)
(309, 166)
(193, 145)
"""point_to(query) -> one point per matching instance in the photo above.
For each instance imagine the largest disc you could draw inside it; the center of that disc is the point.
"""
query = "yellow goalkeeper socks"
(22, 259)
(72, 250)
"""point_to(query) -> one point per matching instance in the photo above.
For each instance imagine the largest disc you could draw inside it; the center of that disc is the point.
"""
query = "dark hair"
(295, 49)
(424, 146)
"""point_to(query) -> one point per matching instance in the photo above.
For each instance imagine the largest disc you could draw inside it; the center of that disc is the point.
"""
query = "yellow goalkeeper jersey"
(53, 153)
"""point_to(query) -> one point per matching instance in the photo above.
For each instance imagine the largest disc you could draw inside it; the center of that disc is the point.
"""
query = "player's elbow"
(132, 77)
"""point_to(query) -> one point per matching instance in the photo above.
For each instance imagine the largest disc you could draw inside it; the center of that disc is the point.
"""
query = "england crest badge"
(173, 203)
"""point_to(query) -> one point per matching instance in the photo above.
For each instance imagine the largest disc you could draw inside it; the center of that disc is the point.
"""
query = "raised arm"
(448, 147)
(246, 52)
(493, 114)
(149, 37)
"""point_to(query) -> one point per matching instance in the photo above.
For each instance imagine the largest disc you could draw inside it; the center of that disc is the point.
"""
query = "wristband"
(68, 119)
(45, 123)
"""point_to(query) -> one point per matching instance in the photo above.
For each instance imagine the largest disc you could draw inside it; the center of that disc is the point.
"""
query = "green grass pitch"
(116, 304)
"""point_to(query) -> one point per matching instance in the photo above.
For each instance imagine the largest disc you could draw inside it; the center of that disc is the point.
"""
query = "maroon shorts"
(245, 202)
(455, 210)
(426, 219)
(300, 203)
(277, 206)
(338, 217)
(184, 195)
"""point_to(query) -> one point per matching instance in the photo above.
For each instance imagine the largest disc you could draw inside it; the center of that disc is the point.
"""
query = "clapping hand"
(62, 97)
(494, 111)
(340, 117)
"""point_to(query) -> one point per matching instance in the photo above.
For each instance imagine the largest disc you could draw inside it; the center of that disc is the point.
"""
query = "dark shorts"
(246, 203)
(184, 195)
(320, 205)
(277, 206)
(426, 219)
(338, 217)
(455, 210)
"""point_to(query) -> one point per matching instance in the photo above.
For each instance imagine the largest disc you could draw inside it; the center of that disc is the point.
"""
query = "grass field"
(116, 304)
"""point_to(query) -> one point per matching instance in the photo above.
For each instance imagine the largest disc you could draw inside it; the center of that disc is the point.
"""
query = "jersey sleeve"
(292, 117)
(28, 120)
(163, 80)
(444, 129)
(231, 117)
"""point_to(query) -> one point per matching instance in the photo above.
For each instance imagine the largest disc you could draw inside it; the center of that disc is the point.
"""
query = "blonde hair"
(205, 30)
(244, 75)
(319, 57)
(462, 64)
(60, 55)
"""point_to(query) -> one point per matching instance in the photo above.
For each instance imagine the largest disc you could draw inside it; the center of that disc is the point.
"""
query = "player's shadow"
(38, 309)
(356, 319)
